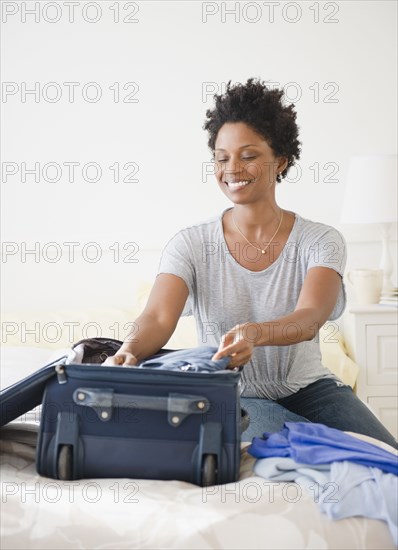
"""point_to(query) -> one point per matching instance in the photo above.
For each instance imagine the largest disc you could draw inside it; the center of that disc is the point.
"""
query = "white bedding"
(39, 512)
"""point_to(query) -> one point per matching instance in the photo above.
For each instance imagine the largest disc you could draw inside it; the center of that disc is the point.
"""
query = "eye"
(243, 158)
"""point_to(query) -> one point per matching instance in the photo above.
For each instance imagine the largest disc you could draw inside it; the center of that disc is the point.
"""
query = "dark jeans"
(326, 401)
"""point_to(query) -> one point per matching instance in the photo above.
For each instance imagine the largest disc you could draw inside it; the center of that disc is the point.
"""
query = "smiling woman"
(259, 280)
(246, 174)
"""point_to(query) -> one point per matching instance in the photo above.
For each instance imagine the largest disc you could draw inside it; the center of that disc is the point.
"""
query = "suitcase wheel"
(209, 470)
(65, 463)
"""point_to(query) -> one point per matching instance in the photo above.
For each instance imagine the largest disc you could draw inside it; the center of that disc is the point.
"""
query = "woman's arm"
(153, 328)
(315, 304)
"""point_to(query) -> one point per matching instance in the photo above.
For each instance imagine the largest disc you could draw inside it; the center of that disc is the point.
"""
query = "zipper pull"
(60, 370)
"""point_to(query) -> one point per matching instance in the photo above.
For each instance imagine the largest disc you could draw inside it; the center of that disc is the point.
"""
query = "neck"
(257, 219)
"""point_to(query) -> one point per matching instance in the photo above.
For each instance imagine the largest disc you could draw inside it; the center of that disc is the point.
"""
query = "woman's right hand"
(121, 359)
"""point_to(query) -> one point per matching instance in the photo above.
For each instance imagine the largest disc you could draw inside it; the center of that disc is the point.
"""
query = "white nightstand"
(371, 336)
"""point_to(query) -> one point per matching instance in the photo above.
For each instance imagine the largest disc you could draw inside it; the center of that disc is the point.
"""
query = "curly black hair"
(262, 109)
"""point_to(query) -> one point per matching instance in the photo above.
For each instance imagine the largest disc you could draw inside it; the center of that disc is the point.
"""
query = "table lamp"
(371, 197)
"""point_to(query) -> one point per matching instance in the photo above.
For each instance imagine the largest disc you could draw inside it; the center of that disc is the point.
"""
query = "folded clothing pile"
(348, 476)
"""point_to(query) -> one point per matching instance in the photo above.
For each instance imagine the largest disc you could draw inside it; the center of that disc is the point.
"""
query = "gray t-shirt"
(222, 294)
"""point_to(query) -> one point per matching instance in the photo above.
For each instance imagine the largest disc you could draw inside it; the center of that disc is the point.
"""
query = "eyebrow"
(243, 146)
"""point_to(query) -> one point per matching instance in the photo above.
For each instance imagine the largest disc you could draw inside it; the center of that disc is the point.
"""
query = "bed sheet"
(41, 513)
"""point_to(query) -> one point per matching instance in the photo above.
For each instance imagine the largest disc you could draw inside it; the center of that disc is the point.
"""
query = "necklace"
(262, 250)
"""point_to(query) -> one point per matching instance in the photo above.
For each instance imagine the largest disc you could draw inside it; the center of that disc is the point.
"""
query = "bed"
(38, 512)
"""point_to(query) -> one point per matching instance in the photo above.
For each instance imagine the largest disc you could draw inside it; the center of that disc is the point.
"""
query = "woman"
(259, 280)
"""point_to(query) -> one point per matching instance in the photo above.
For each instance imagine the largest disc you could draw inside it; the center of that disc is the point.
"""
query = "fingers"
(237, 358)
(118, 359)
(121, 360)
(232, 349)
(130, 360)
(235, 346)
(226, 340)
(222, 353)
(110, 361)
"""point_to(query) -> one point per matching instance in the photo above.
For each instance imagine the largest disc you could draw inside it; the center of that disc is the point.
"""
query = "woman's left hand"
(235, 343)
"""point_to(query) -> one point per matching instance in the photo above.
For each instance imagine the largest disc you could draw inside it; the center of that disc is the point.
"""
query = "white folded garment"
(341, 489)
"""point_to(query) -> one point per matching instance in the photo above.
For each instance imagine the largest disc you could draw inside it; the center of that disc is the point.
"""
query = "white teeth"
(238, 184)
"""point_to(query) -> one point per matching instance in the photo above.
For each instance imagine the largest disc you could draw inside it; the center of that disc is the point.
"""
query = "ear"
(282, 164)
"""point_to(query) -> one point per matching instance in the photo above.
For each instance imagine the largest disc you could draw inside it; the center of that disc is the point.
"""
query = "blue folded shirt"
(196, 359)
(311, 443)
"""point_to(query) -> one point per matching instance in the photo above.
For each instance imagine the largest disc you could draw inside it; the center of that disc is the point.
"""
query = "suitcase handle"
(178, 406)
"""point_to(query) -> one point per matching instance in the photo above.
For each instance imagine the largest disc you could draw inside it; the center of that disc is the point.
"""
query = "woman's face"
(246, 167)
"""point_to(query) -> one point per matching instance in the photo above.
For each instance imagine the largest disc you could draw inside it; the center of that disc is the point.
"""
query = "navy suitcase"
(118, 422)
(140, 422)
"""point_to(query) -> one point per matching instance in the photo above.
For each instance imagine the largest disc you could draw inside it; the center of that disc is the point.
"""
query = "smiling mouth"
(236, 185)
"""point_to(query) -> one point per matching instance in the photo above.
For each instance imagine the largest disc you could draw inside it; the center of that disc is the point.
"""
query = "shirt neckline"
(236, 263)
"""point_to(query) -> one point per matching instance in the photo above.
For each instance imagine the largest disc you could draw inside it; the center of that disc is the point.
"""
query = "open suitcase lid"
(26, 394)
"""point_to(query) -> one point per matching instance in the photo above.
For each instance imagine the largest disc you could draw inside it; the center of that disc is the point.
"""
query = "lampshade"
(371, 190)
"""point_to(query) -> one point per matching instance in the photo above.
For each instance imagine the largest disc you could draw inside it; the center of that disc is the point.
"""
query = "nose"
(231, 166)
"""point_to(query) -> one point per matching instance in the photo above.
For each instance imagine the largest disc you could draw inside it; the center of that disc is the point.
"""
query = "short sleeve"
(328, 249)
(176, 258)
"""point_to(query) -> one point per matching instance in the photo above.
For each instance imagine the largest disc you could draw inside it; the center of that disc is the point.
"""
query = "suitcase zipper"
(108, 374)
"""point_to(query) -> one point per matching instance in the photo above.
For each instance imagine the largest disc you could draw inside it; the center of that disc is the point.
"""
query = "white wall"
(175, 54)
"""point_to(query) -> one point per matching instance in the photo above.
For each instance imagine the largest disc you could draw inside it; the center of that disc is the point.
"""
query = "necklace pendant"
(263, 252)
